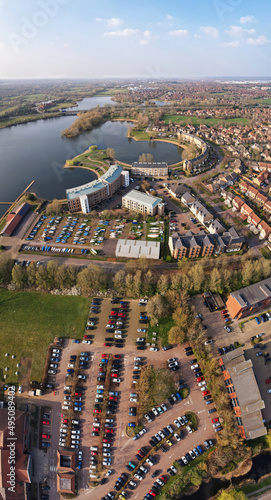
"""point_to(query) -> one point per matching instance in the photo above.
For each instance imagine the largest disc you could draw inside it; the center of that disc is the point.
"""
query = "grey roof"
(147, 164)
(112, 173)
(252, 294)
(142, 198)
(250, 401)
(137, 248)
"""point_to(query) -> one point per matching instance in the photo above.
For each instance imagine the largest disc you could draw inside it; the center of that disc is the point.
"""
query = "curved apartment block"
(88, 195)
(197, 163)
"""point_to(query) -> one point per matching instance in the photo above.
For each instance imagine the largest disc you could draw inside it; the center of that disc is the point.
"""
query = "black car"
(186, 349)
(119, 345)
(156, 473)
(189, 353)
(193, 361)
(170, 400)
(167, 347)
(109, 339)
(163, 448)
(114, 301)
(141, 347)
(101, 379)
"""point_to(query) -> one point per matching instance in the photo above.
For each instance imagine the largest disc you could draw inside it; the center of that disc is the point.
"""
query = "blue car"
(78, 403)
(131, 424)
(178, 396)
(257, 320)
(75, 341)
(200, 449)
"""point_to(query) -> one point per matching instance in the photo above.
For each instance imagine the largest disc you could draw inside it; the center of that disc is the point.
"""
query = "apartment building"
(82, 198)
(143, 203)
(250, 300)
(150, 169)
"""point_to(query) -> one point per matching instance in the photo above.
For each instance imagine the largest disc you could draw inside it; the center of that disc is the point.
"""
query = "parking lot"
(87, 358)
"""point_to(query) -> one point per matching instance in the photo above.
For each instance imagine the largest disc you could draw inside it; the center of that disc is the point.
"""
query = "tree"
(215, 280)
(145, 158)
(42, 278)
(93, 148)
(91, 280)
(197, 276)
(111, 153)
(232, 495)
(6, 265)
(19, 277)
(138, 283)
(163, 284)
(31, 273)
(176, 335)
(55, 207)
(157, 308)
(119, 282)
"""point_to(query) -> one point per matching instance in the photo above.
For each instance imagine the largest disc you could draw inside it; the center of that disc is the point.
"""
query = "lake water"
(92, 102)
(36, 150)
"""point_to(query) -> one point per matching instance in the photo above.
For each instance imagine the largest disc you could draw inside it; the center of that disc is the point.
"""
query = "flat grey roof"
(247, 392)
(137, 248)
(112, 173)
(254, 293)
(148, 164)
(143, 198)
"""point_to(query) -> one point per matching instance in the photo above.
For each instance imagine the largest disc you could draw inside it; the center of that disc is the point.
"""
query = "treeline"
(138, 278)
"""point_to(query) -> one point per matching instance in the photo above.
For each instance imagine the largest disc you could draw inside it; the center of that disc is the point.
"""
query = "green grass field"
(29, 323)
(199, 121)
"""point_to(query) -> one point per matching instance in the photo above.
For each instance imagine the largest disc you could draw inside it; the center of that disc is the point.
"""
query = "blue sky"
(150, 39)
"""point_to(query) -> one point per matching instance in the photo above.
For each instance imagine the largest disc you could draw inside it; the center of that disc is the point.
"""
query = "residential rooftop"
(143, 198)
(112, 174)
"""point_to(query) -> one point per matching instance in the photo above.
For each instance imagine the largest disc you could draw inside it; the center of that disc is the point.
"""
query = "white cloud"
(113, 22)
(147, 36)
(125, 32)
(210, 31)
(66, 45)
(259, 41)
(247, 19)
(169, 17)
(239, 32)
(234, 44)
(178, 33)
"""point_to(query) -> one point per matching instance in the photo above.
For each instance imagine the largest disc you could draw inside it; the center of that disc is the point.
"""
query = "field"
(29, 322)
(199, 121)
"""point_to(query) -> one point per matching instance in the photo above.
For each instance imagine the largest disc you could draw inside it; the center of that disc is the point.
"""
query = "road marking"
(187, 403)
(125, 444)
(201, 411)
(171, 455)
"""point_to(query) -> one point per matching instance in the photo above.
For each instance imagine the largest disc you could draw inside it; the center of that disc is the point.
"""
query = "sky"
(151, 39)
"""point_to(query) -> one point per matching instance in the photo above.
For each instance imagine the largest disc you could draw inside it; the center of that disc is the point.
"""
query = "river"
(36, 150)
(92, 102)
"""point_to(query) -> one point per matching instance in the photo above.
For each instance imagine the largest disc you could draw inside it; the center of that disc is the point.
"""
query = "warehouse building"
(244, 393)
(134, 249)
(150, 169)
(143, 203)
(250, 300)
(14, 219)
(82, 198)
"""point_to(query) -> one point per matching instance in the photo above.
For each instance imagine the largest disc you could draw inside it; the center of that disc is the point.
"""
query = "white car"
(105, 454)
(155, 411)
(189, 430)
(119, 332)
(208, 342)
(137, 476)
(200, 384)
(133, 400)
(177, 423)
(193, 367)
(164, 407)
(64, 407)
(86, 341)
(76, 432)
(177, 437)
(100, 386)
(138, 359)
(118, 380)
(106, 445)
(118, 336)
(175, 363)
(154, 349)
(20, 390)
(171, 360)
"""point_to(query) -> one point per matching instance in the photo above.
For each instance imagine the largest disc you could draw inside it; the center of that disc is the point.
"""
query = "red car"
(94, 453)
(113, 398)
(76, 394)
(123, 306)
(121, 315)
(268, 381)
(214, 420)
(107, 344)
(205, 393)
(65, 420)
(87, 336)
(152, 493)
(46, 422)
(102, 369)
(109, 431)
(97, 411)
(224, 312)
(105, 355)
(45, 436)
(114, 375)
(111, 322)
(95, 429)
(107, 440)
(113, 313)
(163, 478)
(117, 356)
(200, 379)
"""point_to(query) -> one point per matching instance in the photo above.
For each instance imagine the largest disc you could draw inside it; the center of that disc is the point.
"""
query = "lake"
(92, 102)
(36, 150)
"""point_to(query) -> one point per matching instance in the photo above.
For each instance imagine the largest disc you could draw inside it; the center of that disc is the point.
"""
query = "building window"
(239, 421)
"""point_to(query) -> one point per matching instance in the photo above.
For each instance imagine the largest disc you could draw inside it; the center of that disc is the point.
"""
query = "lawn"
(155, 385)
(29, 323)
(199, 121)
(161, 329)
